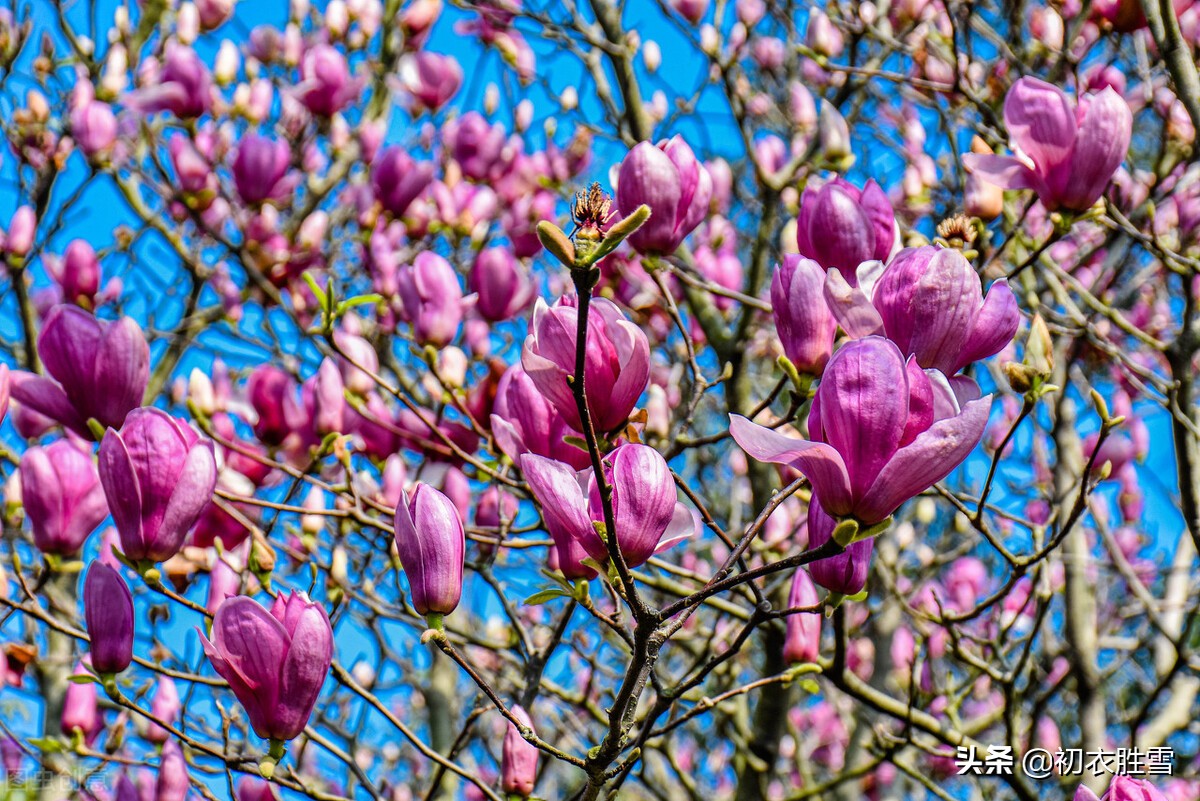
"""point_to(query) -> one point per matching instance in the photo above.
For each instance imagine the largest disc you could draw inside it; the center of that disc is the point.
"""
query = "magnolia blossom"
(108, 609)
(101, 367)
(842, 226)
(881, 431)
(803, 320)
(519, 758)
(1066, 152)
(62, 496)
(616, 361)
(523, 421)
(802, 642)
(158, 476)
(274, 660)
(431, 543)
(647, 516)
(676, 187)
(928, 301)
(1123, 788)
(431, 78)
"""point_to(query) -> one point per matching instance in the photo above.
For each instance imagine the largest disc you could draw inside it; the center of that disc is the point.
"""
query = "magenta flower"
(214, 13)
(1066, 154)
(803, 320)
(495, 508)
(275, 661)
(268, 390)
(22, 229)
(158, 476)
(691, 10)
(432, 544)
(431, 78)
(842, 226)
(882, 432)
(250, 788)
(560, 492)
(62, 496)
(102, 369)
(77, 272)
(165, 708)
(260, 167)
(616, 366)
(802, 642)
(478, 148)
(326, 85)
(108, 610)
(328, 398)
(432, 298)
(502, 287)
(647, 515)
(846, 573)
(398, 179)
(93, 127)
(184, 86)
(518, 758)
(80, 708)
(928, 301)
(192, 170)
(173, 783)
(1123, 788)
(523, 421)
(673, 184)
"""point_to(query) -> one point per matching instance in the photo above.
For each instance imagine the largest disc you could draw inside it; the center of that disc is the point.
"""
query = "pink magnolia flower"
(616, 364)
(260, 168)
(108, 610)
(62, 496)
(882, 432)
(101, 369)
(842, 226)
(802, 642)
(845, 573)
(805, 325)
(928, 301)
(398, 179)
(691, 10)
(647, 516)
(158, 476)
(1123, 788)
(326, 85)
(80, 708)
(94, 127)
(675, 186)
(524, 421)
(275, 661)
(501, 285)
(432, 298)
(1066, 154)
(183, 86)
(431, 78)
(519, 758)
(431, 543)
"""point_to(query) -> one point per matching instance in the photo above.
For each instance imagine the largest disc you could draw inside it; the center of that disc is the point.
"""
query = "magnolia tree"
(650, 400)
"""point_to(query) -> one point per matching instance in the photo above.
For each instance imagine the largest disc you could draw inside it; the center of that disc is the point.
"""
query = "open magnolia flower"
(1066, 152)
(928, 301)
(882, 431)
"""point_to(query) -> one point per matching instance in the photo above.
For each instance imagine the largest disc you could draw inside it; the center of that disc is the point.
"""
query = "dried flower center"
(591, 212)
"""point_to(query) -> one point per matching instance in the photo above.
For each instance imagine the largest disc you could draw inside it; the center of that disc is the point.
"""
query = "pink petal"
(932, 456)
(819, 462)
